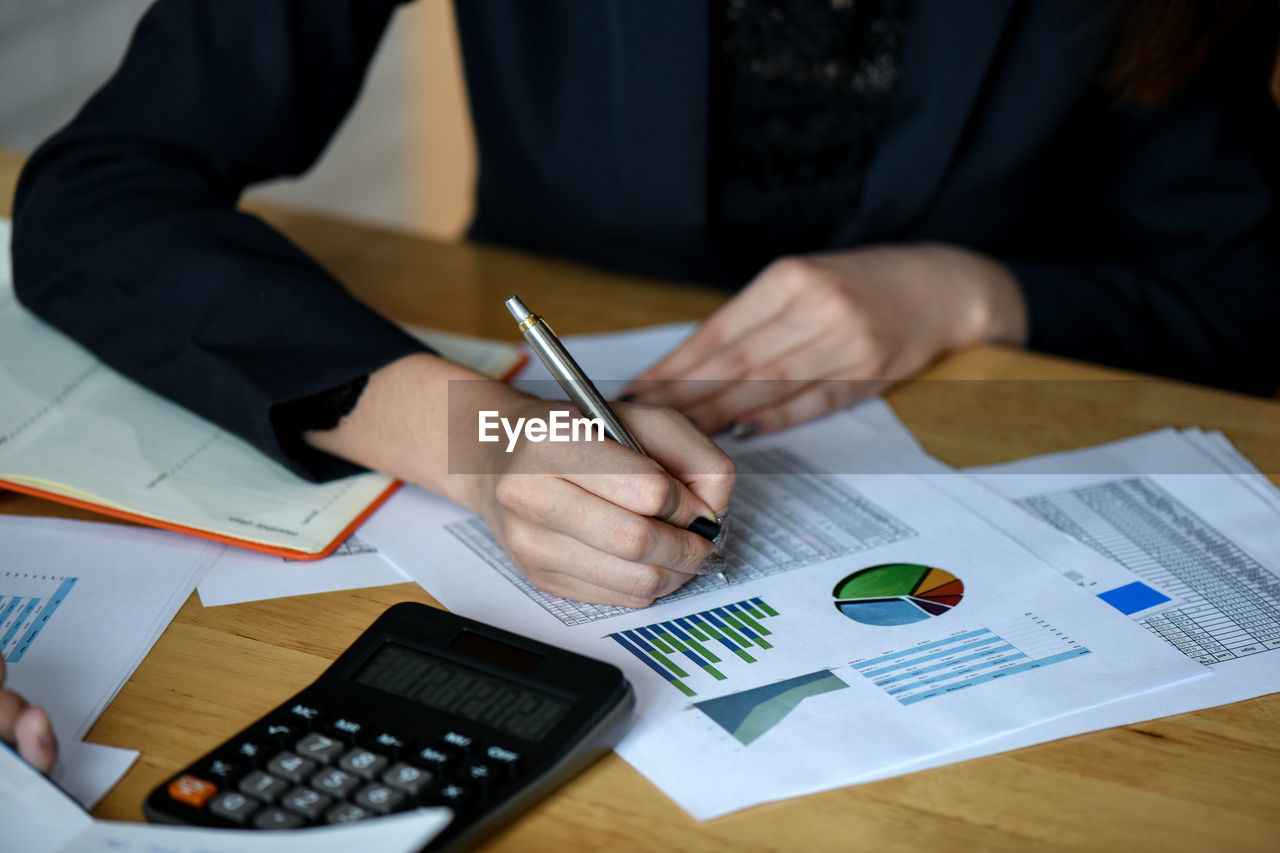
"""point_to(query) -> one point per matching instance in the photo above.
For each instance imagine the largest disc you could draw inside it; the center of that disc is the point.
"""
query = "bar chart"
(27, 603)
(679, 649)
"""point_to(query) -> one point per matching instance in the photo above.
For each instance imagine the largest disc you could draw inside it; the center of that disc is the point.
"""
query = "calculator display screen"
(468, 693)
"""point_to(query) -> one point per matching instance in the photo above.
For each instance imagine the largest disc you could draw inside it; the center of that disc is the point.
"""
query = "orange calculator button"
(192, 790)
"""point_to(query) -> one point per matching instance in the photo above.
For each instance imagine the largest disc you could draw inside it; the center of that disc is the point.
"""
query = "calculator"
(426, 708)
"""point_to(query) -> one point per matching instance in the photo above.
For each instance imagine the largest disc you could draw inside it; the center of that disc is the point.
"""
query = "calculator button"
(379, 798)
(346, 813)
(233, 806)
(335, 782)
(291, 766)
(362, 762)
(276, 818)
(480, 776)
(405, 777)
(346, 729)
(223, 770)
(458, 743)
(251, 752)
(306, 716)
(503, 759)
(263, 786)
(192, 790)
(433, 759)
(456, 794)
(319, 747)
(392, 745)
(306, 802)
(282, 734)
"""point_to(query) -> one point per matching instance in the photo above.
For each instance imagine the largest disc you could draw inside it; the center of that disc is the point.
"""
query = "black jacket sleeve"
(1182, 274)
(126, 232)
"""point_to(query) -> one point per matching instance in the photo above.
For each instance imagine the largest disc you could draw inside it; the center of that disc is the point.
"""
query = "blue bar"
(42, 619)
(637, 638)
(744, 630)
(648, 661)
(675, 631)
(736, 611)
(17, 623)
(921, 648)
(871, 673)
(1035, 664)
(1006, 647)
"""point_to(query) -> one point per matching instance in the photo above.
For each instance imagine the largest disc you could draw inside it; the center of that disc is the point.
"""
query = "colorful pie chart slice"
(897, 594)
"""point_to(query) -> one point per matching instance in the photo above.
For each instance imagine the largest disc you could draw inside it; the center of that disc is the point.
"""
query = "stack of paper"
(80, 606)
(883, 613)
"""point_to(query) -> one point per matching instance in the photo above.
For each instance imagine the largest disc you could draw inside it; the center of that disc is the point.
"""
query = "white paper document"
(36, 818)
(1201, 534)
(80, 605)
(869, 621)
(238, 575)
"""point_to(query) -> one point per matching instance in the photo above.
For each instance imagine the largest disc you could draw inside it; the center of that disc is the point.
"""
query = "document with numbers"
(869, 619)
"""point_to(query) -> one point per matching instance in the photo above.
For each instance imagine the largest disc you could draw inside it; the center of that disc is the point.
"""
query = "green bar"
(673, 640)
(715, 673)
(710, 629)
(763, 643)
(746, 657)
(688, 691)
(767, 609)
(733, 635)
(669, 664)
(704, 651)
(657, 641)
(754, 625)
(693, 629)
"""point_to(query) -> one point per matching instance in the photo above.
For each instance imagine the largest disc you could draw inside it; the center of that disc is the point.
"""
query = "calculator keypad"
(307, 769)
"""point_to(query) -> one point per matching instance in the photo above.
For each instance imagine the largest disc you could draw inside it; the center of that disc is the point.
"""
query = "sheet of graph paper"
(869, 620)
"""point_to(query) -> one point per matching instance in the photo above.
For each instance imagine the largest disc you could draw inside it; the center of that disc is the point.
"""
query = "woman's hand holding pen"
(27, 728)
(825, 330)
(593, 521)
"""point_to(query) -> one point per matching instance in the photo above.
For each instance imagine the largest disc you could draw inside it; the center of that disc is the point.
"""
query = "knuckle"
(648, 582)
(509, 491)
(650, 495)
(792, 273)
(630, 538)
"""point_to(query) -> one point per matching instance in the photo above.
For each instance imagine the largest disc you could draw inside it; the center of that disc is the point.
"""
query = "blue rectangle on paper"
(1133, 597)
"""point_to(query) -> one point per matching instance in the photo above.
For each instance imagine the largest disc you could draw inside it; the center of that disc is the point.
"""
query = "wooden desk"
(1203, 781)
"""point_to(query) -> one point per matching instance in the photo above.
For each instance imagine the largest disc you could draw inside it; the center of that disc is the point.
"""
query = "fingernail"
(46, 740)
(713, 565)
(723, 520)
(627, 397)
(705, 527)
(741, 431)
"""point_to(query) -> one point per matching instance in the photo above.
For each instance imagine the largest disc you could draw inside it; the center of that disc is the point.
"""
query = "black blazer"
(1141, 237)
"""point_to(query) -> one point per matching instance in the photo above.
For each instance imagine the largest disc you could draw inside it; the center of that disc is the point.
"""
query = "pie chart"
(897, 594)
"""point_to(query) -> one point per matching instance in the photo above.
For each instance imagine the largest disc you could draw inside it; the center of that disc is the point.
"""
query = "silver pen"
(582, 391)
